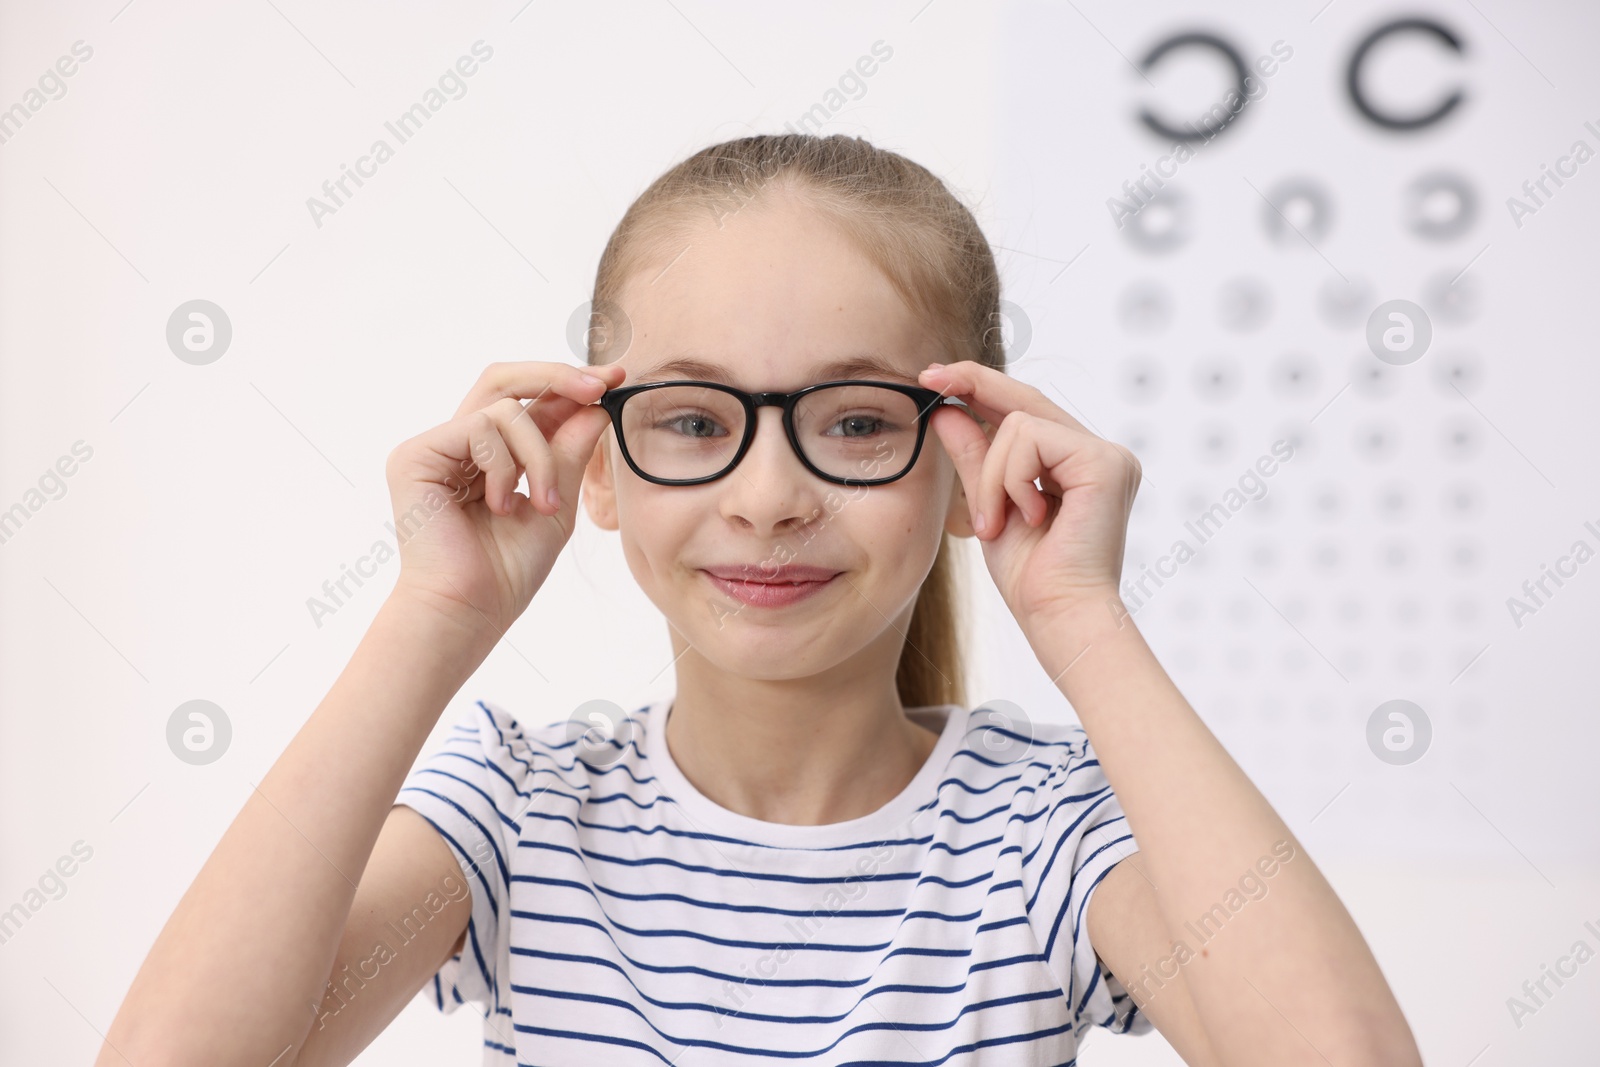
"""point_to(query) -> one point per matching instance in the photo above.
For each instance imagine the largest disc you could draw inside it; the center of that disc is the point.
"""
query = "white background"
(218, 498)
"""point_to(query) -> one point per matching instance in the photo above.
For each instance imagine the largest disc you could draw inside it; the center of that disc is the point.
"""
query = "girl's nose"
(771, 486)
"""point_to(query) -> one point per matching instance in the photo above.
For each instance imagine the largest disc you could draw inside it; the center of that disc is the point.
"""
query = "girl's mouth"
(768, 594)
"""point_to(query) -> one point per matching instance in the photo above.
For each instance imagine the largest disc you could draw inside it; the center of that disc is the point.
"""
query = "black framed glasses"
(849, 432)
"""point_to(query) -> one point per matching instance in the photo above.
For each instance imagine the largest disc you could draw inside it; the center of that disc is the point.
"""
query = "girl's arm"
(238, 974)
(1283, 975)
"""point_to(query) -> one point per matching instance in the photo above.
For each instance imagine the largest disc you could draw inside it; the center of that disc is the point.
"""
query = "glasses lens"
(857, 431)
(682, 431)
(846, 431)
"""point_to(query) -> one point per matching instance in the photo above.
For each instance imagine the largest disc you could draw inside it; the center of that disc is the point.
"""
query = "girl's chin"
(769, 653)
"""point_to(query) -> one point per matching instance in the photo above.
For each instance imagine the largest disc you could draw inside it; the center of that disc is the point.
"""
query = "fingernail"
(978, 522)
(553, 497)
(591, 379)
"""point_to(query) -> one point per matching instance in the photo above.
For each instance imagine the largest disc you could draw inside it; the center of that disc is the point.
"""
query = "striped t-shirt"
(620, 916)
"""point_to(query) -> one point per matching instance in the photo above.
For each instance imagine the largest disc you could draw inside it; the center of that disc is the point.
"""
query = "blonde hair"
(910, 225)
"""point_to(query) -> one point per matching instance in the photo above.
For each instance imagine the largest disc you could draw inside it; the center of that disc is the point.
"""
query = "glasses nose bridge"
(763, 400)
(775, 400)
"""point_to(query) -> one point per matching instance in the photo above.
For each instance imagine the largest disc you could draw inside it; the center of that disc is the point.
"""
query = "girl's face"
(777, 299)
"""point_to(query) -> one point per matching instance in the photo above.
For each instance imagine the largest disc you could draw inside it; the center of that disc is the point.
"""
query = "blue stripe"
(472, 933)
(594, 889)
(1103, 796)
(636, 730)
(731, 942)
(1020, 998)
(664, 861)
(684, 968)
(1077, 919)
(491, 839)
(696, 835)
(1031, 958)
(474, 787)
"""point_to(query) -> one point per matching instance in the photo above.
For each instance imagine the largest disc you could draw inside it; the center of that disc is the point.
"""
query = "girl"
(814, 852)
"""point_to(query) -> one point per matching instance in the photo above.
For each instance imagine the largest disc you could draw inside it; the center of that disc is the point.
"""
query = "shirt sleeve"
(1075, 834)
(462, 788)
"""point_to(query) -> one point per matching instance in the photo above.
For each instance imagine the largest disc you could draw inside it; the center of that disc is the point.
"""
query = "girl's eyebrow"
(861, 366)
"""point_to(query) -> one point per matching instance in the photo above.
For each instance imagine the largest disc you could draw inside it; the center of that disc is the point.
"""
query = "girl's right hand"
(470, 544)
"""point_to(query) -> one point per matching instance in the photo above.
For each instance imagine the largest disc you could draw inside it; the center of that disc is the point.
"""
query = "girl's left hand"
(1051, 552)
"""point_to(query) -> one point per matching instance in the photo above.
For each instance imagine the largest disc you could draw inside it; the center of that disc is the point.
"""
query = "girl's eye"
(693, 424)
(859, 425)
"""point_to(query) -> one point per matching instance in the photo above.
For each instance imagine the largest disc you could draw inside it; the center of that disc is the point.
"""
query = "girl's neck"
(784, 754)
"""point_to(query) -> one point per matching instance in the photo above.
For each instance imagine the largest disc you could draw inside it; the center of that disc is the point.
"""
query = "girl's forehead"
(780, 342)
(768, 275)
(749, 370)
(770, 313)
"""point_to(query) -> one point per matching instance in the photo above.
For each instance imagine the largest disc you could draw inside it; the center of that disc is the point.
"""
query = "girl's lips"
(768, 594)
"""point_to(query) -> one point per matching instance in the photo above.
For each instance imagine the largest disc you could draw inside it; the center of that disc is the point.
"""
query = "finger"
(994, 394)
(493, 457)
(443, 456)
(966, 444)
(537, 380)
(573, 445)
(992, 495)
(1022, 467)
(529, 450)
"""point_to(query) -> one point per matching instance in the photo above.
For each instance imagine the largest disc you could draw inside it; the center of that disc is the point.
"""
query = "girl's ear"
(599, 490)
(958, 519)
